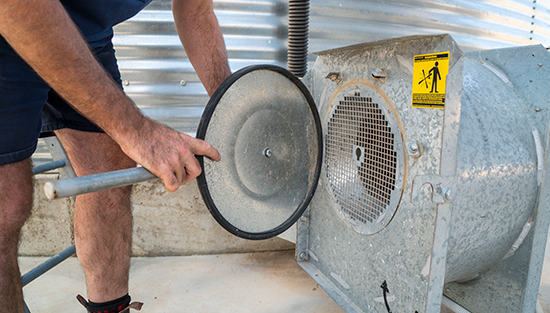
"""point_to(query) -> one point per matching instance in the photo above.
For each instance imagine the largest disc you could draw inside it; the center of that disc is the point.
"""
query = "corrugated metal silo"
(162, 82)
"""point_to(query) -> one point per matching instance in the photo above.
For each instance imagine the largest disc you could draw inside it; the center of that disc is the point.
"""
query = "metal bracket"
(58, 153)
(443, 188)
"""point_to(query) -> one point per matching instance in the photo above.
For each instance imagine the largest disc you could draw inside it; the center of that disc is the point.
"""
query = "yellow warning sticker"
(429, 80)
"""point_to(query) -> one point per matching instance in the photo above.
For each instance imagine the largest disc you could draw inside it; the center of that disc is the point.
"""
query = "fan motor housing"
(374, 238)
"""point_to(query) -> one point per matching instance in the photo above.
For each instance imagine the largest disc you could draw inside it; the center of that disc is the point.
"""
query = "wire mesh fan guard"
(362, 152)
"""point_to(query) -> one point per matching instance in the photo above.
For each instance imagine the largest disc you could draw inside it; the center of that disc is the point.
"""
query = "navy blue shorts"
(28, 106)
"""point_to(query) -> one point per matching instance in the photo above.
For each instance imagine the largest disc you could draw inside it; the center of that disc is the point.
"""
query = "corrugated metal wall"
(162, 82)
(159, 77)
(475, 24)
(153, 64)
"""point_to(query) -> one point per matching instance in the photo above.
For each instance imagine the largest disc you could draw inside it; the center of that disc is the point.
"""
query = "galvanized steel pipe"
(48, 265)
(90, 183)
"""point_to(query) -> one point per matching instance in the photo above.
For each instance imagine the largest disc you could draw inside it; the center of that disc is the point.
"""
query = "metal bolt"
(303, 218)
(336, 77)
(414, 147)
(448, 194)
(126, 82)
(183, 82)
(302, 255)
(267, 152)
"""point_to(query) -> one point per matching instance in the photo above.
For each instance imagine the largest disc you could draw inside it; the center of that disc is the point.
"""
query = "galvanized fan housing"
(374, 238)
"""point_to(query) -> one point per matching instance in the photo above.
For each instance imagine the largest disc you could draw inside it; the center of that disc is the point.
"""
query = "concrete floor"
(237, 283)
(268, 282)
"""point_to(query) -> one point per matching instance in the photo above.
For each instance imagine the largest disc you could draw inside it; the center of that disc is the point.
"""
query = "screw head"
(183, 82)
(448, 194)
(126, 82)
(303, 219)
(302, 255)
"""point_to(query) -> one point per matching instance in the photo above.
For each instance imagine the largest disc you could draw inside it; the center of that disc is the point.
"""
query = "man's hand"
(169, 154)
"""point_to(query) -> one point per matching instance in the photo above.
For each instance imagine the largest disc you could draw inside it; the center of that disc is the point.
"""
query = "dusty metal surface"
(496, 172)
(485, 184)
(512, 284)
(358, 264)
(269, 141)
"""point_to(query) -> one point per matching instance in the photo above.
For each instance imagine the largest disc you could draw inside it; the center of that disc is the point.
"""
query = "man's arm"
(202, 39)
(43, 34)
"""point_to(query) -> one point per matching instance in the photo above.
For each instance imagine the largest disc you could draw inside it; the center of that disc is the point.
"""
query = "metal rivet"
(302, 255)
(267, 152)
(303, 219)
(126, 83)
(183, 82)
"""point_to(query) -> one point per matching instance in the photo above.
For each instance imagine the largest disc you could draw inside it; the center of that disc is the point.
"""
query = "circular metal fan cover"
(265, 124)
(363, 156)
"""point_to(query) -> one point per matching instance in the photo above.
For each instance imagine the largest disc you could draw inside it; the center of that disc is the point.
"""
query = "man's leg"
(15, 207)
(103, 219)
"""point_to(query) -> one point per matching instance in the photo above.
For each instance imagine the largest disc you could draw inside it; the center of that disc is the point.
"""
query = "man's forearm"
(43, 34)
(202, 39)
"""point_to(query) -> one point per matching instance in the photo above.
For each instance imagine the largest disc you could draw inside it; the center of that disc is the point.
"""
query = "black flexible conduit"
(298, 26)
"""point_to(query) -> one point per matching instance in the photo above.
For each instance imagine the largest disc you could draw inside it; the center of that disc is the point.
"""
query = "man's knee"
(92, 153)
(16, 194)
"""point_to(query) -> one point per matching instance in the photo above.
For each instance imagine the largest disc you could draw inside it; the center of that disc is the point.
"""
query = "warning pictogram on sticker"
(429, 80)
